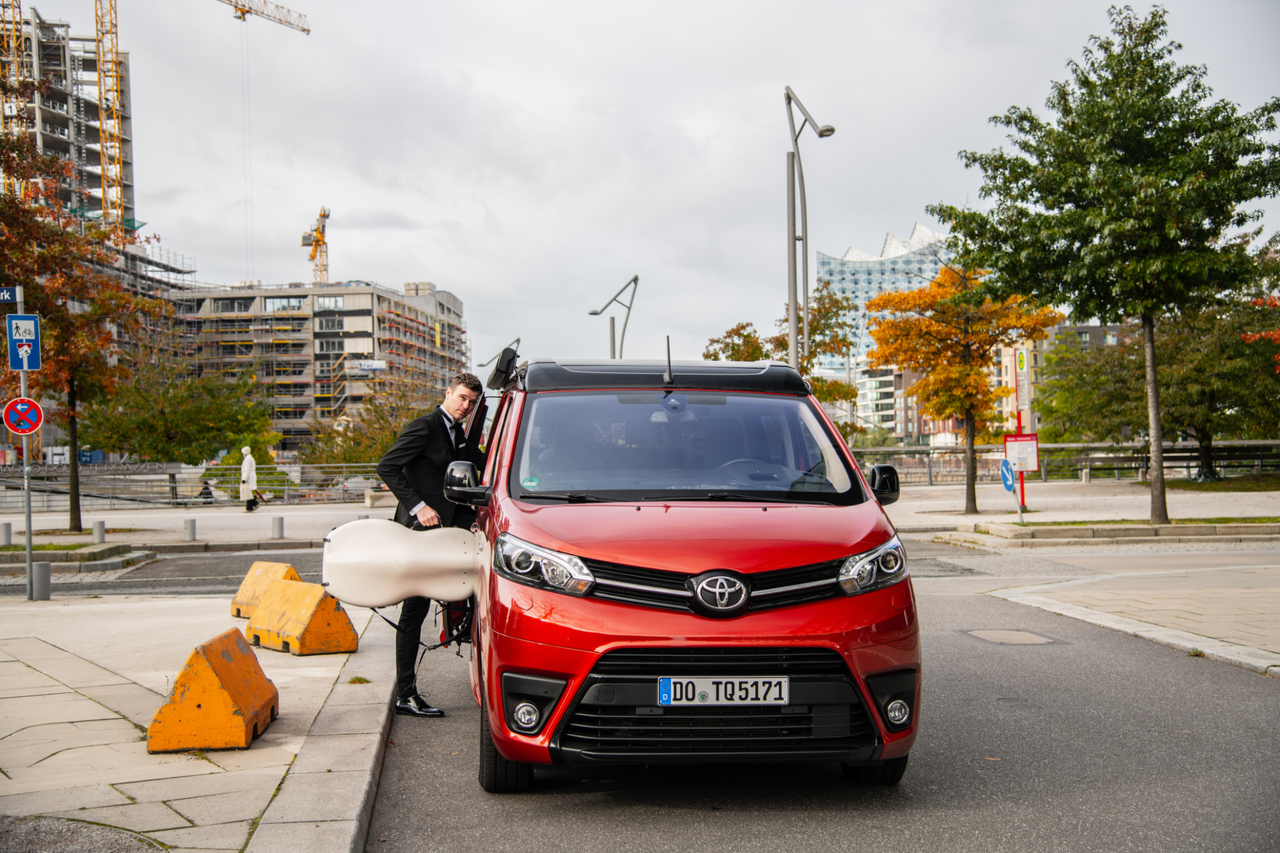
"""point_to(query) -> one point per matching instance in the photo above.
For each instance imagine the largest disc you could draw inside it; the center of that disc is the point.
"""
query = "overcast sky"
(532, 157)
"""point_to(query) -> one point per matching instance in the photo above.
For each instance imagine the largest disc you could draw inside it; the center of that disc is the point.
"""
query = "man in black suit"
(413, 470)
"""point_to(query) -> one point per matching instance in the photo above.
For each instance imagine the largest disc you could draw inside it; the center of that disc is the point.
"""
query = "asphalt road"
(1096, 742)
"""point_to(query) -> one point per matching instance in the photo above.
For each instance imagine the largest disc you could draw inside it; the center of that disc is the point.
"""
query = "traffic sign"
(23, 416)
(1006, 475)
(24, 341)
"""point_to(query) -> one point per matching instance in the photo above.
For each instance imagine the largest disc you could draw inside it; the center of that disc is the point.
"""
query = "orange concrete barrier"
(220, 700)
(302, 619)
(256, 582)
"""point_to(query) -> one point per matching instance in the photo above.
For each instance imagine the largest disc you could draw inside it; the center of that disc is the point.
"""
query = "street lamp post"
(795, 170)
(634, 284)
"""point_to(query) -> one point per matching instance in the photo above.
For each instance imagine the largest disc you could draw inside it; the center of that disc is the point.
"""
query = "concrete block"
(374, 498)
(1248, 529)
(1124, 531)
(302, 619)
(220, 700)
(1063, 533)
(1005, 531)
(256, 583)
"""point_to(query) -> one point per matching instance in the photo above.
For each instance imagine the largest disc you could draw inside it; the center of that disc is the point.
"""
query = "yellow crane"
(270, 11)
(319, 247)
(110, 116)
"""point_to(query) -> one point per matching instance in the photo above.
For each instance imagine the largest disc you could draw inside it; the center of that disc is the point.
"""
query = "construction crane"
(270, 11)
(110, 117)
(13, 69)
(319, 247)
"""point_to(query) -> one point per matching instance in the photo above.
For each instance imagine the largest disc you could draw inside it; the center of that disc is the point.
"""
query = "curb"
(325, 801)
(1000, 542)
(199, 547)
(1256, 660)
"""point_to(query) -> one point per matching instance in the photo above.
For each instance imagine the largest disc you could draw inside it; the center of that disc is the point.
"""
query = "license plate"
(724, 691)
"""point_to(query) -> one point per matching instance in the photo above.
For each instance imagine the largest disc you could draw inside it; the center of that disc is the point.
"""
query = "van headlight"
(519, 561)
(874, 569)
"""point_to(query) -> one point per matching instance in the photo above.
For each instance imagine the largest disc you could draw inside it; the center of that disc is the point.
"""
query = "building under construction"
(65, 120)
(324, 347)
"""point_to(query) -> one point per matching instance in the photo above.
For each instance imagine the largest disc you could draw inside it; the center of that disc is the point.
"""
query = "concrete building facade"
(63, 121)
(324, 347)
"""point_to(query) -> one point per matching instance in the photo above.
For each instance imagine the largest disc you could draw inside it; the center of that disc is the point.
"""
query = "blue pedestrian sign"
(1006, 475)
(8, 294)
(24, 341)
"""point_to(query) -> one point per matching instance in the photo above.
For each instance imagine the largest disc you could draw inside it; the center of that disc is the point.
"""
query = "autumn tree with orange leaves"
(82, 310)
(944, 333)
(829, 335)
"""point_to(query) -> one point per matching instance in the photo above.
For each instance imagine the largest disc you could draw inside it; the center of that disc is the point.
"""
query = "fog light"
(526, 715)
(897, 712)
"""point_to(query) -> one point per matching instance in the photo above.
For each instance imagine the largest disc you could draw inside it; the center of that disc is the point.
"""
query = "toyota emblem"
(721, 593)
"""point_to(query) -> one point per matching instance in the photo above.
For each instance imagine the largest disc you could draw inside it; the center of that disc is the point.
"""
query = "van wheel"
(886, 773)
(497, 774)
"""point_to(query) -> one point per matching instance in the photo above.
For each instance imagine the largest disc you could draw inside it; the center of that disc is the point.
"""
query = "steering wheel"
(736, 461)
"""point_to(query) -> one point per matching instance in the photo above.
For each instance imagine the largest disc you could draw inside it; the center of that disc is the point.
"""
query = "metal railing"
(945, 465)
(122, 486)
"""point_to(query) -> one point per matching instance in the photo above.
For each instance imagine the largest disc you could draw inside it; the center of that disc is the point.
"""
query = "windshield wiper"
(571, 497)
(724, 496)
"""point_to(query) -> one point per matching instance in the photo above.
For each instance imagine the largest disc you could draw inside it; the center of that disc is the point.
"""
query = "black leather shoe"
(416, 706)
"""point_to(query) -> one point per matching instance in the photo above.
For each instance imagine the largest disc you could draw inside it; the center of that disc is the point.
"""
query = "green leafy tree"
(166, 411)
(829, 335)
(1119, 206)
(1213, 385)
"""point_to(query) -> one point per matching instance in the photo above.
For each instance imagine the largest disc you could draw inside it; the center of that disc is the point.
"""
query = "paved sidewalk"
(81, 678)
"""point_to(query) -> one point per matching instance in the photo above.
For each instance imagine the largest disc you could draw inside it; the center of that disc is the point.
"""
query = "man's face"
(459, 401)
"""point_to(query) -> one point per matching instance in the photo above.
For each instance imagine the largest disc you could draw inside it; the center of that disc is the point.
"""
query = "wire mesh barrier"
(154, 484)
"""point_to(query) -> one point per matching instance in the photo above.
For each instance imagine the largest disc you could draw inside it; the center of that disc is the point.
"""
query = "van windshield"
(660, 445)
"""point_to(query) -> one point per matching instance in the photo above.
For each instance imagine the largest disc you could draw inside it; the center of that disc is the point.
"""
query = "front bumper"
(609, 713)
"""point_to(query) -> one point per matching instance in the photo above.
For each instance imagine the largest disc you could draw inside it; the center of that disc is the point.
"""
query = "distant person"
(206, 492)
(413, 469)
(248, 480)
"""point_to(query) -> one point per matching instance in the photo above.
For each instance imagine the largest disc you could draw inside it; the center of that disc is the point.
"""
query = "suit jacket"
(414, 468)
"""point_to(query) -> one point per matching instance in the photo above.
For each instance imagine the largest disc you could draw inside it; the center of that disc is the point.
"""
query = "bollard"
(99, 532)
(1085, 474)
(189, 529)
(277, 527)
(40, 581)
(6, 534)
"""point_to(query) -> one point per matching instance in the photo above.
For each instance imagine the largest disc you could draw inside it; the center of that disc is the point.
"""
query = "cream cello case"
(378, 563)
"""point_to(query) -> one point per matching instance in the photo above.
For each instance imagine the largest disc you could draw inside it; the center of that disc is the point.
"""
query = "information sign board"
(1023, 451)
(23, 331)
(23, 416)
(1022, 371)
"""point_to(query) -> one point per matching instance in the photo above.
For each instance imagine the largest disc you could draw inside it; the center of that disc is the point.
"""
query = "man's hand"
(428, 517)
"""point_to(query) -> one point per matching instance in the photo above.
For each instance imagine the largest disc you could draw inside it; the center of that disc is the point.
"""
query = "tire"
(886, 773)
(497, 774)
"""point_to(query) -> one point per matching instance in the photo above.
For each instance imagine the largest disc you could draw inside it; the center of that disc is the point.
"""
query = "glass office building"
(902, 265)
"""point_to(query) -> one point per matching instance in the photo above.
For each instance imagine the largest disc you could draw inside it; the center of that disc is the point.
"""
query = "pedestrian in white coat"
(248, 480)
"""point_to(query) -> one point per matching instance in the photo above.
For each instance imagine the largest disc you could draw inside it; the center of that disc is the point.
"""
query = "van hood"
(698, 537)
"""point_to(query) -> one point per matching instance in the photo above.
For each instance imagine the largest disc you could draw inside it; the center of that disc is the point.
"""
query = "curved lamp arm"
(823, 132)
(634, 284)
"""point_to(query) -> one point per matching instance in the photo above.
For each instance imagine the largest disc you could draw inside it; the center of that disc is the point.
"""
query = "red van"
(682, 563)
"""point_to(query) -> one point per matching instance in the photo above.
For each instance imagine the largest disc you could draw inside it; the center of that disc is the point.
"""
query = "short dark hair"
(469, 380)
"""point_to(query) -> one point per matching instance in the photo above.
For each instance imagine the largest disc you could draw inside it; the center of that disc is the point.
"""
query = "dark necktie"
(459, 438)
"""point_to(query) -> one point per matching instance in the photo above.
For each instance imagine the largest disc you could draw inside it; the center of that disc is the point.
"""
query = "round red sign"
(23, 416)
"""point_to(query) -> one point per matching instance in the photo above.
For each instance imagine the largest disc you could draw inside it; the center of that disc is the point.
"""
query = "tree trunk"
(73, 440)
(970, 466)
(1159, 508)
(1207, 474)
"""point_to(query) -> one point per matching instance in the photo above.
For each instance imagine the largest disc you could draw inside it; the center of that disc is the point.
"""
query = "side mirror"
(462, 485)
(884, 483)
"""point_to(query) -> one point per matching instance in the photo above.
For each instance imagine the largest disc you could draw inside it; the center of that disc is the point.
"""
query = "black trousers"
(413, 612)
